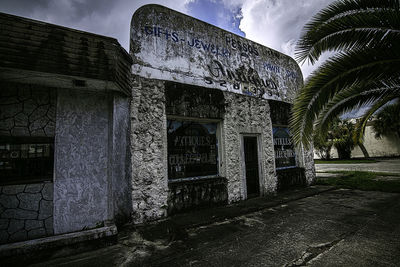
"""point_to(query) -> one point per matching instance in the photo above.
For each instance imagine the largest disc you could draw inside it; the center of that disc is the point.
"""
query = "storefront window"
(283, 146)
(24, 160)
(192, 149)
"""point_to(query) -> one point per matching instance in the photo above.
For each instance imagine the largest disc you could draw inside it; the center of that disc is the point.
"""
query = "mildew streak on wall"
(121, 190)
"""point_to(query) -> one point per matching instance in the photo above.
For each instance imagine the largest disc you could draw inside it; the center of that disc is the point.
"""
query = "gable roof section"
(45, 48)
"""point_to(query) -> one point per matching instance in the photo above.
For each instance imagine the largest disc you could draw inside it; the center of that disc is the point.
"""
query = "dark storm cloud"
(77, 9)
(87, 8)
(105, 17)
(22, 7)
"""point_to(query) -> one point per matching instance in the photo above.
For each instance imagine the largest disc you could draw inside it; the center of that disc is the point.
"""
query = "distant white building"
(386, 146)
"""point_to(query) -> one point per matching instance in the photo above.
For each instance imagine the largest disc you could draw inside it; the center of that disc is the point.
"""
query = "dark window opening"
(192, 149)
(280, 112)
(26, 159)
(194, 101)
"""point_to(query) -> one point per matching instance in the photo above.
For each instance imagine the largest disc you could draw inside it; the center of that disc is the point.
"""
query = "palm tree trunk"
(364, 150)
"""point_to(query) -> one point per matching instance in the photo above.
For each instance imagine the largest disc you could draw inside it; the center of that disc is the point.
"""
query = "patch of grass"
(375, 173)
(344, 161)
(362, 181)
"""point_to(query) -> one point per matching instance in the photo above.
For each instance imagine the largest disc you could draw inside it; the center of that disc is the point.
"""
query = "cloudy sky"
(273, 23)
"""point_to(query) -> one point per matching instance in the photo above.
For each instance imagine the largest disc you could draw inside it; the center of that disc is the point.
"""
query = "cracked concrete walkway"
(333, 228)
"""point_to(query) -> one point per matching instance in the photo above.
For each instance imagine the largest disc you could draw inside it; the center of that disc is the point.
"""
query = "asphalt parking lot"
(335, 227)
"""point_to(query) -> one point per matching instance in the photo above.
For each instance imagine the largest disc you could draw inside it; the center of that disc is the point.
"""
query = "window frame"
(26, 179)
(294, 149)
(218, 122)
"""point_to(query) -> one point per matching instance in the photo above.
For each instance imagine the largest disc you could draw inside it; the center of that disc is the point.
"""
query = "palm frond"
(353, 98)
(349, 24)
(341, 71)
(358, 135)
(366, 69)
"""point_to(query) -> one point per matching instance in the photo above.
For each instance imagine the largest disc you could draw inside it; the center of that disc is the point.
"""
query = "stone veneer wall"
(26, 211)
(308, 164)
(148, 150)
(291, 177)
(243, 115)
(247, 115)
(187, 195)
(27, 110)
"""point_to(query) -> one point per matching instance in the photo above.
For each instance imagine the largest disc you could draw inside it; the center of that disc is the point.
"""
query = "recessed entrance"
(251, 166)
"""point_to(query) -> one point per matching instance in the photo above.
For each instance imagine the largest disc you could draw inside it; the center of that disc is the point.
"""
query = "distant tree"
(342, 134)
(365, 71)
(323, 146)
(387, 121)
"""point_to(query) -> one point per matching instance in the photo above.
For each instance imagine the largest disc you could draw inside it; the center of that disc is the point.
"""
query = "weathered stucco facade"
(194, 83)
(82, 122)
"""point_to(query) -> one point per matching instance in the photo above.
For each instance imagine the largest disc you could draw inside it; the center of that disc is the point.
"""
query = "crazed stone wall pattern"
(27, 111)
(26, 211)
(148, 150)
(247, 115)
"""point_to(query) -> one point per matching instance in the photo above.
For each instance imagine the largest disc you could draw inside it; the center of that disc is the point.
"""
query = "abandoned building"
(64, 101)
(193, 116)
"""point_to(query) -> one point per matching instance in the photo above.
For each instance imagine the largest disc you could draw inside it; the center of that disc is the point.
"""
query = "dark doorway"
(251, 163)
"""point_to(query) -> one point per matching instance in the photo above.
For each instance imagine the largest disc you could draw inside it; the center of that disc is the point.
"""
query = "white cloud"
(279, 23)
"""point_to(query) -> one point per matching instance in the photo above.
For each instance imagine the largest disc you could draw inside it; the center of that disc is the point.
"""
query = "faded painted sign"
(168, 45)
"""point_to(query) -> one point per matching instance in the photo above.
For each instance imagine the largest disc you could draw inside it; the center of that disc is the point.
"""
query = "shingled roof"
(43, 48)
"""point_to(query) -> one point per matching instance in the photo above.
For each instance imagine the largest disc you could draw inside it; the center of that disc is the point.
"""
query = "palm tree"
(342, 138)
(364, 71)
(387, 121)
